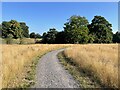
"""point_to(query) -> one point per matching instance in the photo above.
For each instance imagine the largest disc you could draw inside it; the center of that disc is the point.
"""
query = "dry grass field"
(101, 60)
(15, 57)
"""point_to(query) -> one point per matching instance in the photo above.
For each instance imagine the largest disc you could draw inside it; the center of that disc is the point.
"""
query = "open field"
(16, 57)
(97, 60)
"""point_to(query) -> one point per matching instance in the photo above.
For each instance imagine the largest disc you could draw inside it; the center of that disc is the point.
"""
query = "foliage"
(60, 38)
(11, 27)
(100, 28)
(32, 35)
(50, 36)
(25, 29)
(76, 30)
(38, 35)
(0, 30)
(116, 37)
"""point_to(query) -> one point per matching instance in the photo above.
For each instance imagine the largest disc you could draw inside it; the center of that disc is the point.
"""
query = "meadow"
(15, 58)
(97, 60)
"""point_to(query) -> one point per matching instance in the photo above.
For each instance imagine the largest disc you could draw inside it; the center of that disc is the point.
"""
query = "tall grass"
(101, 60)
(18, 41)
(15, 57)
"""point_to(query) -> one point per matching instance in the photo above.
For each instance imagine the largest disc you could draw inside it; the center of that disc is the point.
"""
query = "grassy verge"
(19, 63)
(30, 70)
(99, 61)
(85, 81)
(28, 79)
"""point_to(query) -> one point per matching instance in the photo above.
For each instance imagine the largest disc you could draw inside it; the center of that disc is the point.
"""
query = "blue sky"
(40, 16)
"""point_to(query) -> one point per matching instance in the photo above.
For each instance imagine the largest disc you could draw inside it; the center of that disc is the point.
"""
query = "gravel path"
(51, 74)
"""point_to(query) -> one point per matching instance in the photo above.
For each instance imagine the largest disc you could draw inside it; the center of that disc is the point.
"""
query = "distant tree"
(100, 29)
(0, 30)
(44, 34)
(50, 36)
(25, 29)
(38, 35)
(32, 35)
(60, 38)
(116, 37)
(44, 38)
(11, 27)
(76, 30)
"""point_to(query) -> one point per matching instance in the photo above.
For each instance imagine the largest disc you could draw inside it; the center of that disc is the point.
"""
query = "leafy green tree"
(11, 27)
(50, 36)
(32, 35)
(38, 35)
(76, 30)
(116, 37)
(101, 30)
(25, 29)
(15, 29)
(5, 29)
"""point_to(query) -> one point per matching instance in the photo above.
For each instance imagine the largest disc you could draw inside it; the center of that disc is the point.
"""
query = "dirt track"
(51, 74)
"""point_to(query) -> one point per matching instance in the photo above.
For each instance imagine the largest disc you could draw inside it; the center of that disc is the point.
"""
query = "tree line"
(77, 29)
(14, 29)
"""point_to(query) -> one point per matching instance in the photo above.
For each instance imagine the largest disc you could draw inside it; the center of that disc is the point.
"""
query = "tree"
(32, 35)
(44, 38)
(50, 36)
(116, 37)
(38, 35)
(25, 29)
(0, 30)
(76, 30)
(60, 38)
(5, 29)
(101, 30)
(11, 27)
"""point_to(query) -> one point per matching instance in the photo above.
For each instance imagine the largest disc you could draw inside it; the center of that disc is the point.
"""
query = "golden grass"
(100, 59)
(18, 41)
(15, 57)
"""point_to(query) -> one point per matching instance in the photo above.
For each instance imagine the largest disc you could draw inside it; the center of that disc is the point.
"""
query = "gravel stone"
(51, 74)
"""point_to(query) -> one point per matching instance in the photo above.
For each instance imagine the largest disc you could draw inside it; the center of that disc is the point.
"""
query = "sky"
(40, 16)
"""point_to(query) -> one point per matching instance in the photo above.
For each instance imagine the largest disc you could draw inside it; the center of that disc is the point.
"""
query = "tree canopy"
(76, 30)
(116, 37)
(15, 29)
(25, 29)
(32, 35)
(12, 27)
(101, 30)
(50, 36)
